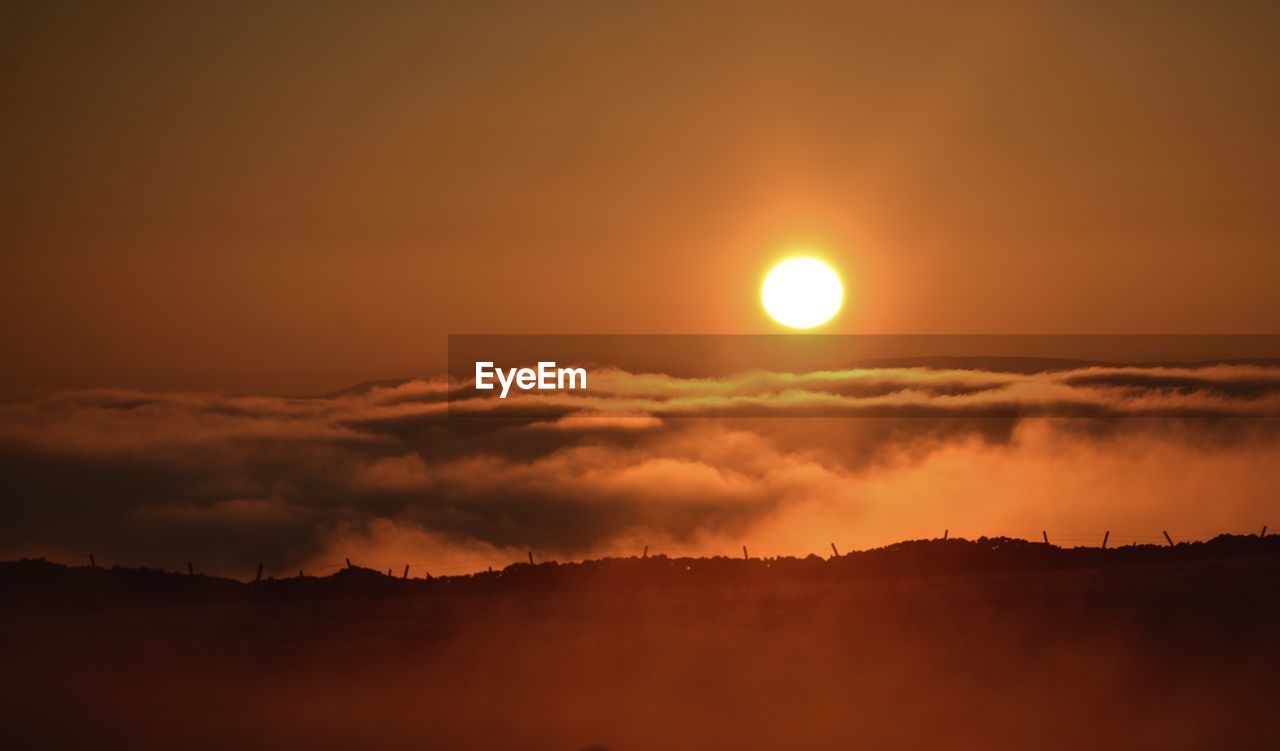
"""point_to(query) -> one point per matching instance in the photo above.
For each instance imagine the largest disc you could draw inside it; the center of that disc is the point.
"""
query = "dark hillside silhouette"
(38, 581)
(991, 643)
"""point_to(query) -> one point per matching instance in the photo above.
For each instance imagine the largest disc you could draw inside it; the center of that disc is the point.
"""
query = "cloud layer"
(396, 473)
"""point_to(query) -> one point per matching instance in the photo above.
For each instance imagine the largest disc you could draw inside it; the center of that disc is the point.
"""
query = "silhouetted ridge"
(35, 580)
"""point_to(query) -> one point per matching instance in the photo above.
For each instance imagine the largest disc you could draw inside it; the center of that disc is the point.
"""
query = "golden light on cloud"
(802, 293)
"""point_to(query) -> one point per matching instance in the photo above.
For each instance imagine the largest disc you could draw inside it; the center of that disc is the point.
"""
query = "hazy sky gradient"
(294, 197)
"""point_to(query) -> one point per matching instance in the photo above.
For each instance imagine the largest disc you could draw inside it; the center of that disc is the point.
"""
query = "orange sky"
(295, 197)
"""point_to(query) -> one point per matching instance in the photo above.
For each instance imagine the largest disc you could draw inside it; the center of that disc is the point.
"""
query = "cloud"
(392, 473)
(228, 480)
(1233, 390)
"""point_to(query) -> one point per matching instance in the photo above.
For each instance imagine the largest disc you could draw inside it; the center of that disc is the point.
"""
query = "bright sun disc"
(802, 293)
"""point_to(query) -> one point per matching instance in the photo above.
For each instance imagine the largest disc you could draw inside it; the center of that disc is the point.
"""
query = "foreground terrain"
(956, 644)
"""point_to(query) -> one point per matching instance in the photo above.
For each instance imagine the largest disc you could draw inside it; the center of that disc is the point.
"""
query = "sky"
(294, 197)
(235, 239)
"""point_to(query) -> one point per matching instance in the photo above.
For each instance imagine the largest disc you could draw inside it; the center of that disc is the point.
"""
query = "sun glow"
(802, 293)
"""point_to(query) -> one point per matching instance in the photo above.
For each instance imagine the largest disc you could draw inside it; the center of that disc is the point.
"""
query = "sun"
(802, 293)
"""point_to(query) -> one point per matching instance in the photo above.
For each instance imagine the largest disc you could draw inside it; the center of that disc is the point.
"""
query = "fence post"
(645, 554)
(190, 570)
(258, 578)
(1045, 534)
(834, 552)
(745, 557)
(92, 563)
(530, 557)
(1264, 532)
(1167, 537)
(406, 571)
(1105, 537)
(348, 563)
(945, 532)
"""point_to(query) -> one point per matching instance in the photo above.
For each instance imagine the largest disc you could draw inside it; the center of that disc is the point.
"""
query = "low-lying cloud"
(399, 473)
